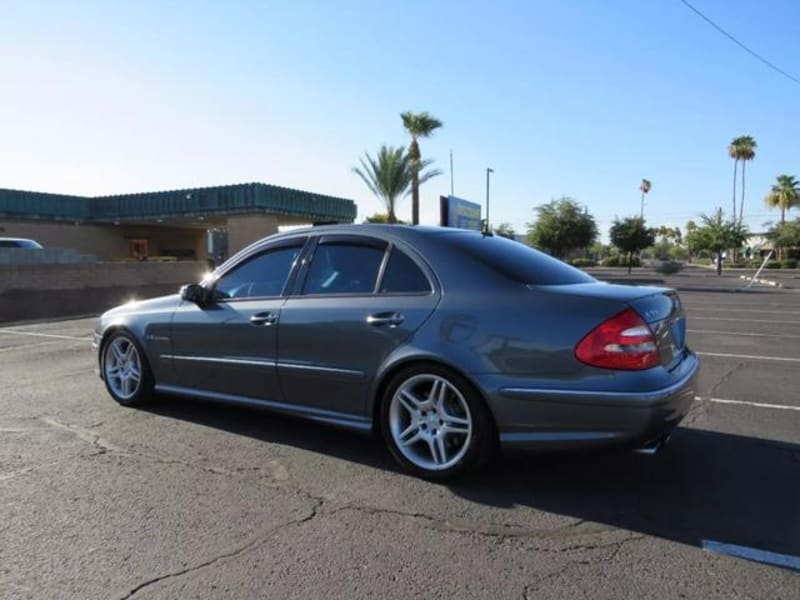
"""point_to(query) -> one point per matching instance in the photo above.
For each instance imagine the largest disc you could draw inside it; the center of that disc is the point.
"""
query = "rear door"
(357, 300)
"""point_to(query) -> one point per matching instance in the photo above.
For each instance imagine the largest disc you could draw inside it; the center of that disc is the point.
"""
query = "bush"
(789, 263)
(621, 261)
(669, 267)
(738, 265)
(702, 261)
(773, 264)
(583, 262)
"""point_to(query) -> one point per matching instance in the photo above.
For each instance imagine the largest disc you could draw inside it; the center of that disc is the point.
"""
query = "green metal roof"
(246, 198)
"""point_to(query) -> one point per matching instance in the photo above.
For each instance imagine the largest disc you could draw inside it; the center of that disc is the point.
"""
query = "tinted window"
(343, 268)
(260, 276)
(515, 260)
(403, 275)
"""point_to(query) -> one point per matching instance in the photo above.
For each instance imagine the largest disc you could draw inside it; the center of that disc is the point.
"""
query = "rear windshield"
(515, 260)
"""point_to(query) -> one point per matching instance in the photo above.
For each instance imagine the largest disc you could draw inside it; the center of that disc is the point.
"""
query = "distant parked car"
(445, 342)
(19, 243)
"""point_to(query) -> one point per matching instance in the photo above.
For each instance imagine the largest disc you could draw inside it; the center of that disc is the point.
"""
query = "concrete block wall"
(29, 292)
(35, 256)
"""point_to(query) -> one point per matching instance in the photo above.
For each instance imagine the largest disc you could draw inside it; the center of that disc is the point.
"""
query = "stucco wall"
(46, 291)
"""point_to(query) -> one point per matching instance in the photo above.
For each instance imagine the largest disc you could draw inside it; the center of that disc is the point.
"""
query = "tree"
(644, 187)
(786, 235)
(418, 125)
(741, 148)
(380, 218)
(692, 240)
(390, 174)
(562, 225)
(631, 235)
(717, 235)
(505, 230)
(784, 195)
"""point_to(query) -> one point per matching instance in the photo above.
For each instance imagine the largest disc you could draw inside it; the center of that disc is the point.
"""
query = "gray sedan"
(445, 342)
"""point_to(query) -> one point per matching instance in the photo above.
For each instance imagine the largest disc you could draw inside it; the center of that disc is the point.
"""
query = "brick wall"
(45, 291)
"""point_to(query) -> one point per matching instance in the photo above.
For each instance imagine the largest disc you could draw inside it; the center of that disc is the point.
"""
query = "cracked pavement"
(192, 500)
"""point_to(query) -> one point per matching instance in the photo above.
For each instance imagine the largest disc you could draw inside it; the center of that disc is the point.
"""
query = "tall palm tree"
(784, 195)
(742, 148)
(418, 125)
(645, 189)
(389, 175)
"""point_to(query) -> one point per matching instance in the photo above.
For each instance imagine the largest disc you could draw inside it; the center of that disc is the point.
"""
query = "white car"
(19, 243)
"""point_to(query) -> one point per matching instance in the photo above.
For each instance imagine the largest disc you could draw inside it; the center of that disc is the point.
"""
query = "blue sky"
(576, 97)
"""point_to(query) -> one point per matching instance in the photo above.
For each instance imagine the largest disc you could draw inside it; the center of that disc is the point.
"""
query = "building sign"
(460, 213)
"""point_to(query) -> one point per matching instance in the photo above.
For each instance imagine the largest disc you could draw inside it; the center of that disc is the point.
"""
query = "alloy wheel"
(430, 422)
(122, 368)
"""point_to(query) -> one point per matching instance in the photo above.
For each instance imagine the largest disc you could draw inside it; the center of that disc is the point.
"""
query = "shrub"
(621, 261)
(789, 263)
(773, 264)
(737, 265)
(583, 262)
(669, 267)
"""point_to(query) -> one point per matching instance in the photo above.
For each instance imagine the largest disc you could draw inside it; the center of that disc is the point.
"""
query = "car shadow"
(705, 485)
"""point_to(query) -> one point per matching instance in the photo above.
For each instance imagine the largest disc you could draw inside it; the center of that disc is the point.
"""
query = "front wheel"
(434, 423)
(125, 370)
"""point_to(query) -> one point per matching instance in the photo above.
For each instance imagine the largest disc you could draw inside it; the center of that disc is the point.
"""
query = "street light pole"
(489, 170)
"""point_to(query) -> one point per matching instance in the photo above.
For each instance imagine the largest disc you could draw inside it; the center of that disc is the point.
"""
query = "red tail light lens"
(623, 342)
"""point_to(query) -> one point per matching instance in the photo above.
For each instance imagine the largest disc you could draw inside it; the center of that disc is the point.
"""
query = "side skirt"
(353, 422)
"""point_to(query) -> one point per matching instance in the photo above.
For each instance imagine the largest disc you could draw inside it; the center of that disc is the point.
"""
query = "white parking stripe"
(743, 333)
(25, 346)
(46, 335)
(746, 403)
(750, 357)
(763, 556)
(739, 320)
(717, 309)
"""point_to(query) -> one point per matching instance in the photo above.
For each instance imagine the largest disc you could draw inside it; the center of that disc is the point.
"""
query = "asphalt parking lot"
(192, 500)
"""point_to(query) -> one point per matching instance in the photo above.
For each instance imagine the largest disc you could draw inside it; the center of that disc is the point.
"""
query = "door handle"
(390, 319)
(265, 318)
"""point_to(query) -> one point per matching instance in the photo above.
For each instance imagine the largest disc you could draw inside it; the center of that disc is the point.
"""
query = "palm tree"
(742, 148)
(418, 125)
(390, 174)
(784, 195)
(645, 188)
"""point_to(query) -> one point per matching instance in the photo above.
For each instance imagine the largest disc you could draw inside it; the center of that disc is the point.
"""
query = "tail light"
(623, 342)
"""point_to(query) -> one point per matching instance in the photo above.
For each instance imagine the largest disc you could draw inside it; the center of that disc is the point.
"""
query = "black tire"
(479, 444)
(143, 391)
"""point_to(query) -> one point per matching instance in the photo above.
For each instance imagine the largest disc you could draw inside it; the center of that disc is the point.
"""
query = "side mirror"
(194, 292)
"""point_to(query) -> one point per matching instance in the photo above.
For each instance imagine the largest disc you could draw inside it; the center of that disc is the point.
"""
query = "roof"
(245, 198)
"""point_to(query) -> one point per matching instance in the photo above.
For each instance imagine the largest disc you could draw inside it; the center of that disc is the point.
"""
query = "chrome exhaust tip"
(654, 446)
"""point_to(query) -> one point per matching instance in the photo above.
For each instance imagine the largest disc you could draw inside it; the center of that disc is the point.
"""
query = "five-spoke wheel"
(434, 423)
(125, 370)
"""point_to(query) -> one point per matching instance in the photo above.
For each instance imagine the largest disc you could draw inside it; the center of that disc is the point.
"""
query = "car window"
(516, 260)
(261, 276)
(402, 275)
(344, 268)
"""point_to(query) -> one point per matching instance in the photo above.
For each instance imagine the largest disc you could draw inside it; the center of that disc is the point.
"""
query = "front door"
(345, 320)
(228, 346)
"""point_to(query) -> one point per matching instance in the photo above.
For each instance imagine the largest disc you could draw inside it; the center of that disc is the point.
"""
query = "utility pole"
(489, 171)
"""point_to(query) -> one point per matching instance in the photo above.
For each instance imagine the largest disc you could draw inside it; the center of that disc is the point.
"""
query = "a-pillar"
(246, 229)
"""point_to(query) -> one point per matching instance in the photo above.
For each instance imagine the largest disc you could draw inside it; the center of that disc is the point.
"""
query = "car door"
(357, 299)
(228, 345)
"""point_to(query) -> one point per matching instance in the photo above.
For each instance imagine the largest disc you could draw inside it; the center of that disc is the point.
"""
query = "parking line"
(757, 310)
(747, 403)
(46, 335)
(750, 357)
(739, 320)
(786, 561)
(748, 334)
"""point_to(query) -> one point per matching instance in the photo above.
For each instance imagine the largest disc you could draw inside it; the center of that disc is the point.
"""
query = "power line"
(741, 45)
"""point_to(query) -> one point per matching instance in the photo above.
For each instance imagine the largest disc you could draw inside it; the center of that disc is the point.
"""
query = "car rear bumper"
(559, 419)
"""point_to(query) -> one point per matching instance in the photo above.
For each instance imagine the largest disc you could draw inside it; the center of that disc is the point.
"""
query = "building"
(192, 224)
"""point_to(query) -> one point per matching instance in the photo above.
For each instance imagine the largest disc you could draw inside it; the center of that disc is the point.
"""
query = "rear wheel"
(125, 370)
(434, 423)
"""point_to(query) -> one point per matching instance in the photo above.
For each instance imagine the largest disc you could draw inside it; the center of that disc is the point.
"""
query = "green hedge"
(621, 261)
(773, 264)
(669, 267)
(583, 262)
(789, 263)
